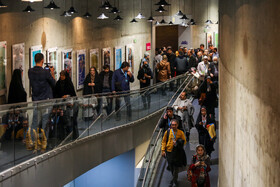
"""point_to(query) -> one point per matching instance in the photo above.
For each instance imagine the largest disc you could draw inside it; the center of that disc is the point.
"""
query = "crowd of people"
(178, 120)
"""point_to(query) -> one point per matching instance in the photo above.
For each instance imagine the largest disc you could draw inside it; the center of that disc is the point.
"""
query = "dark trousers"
(128, 106)
(174, 170)
(109, 101)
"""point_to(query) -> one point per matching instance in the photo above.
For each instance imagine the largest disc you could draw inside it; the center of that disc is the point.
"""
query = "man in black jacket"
(145, 75)
(165, 121)
(106, 81)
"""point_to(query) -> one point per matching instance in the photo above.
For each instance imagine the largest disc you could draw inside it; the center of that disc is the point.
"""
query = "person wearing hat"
(165, 121)
(202, 68)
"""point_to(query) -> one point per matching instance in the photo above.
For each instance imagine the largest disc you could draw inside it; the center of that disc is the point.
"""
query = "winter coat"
(163, 71)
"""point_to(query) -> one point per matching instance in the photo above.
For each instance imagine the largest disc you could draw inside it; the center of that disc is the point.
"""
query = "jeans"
(41, 118)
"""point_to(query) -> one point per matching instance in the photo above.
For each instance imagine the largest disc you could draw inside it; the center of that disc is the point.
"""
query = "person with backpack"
(169, 146)
(199, 168)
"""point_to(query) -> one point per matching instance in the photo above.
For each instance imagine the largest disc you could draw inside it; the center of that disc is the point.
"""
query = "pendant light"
(208, 21)
(115, 10)
(207, 27)
(28, 9)
(102, 16)
(118, 18)
(157, 23)
(160, 9)
(162, 22)
(162, 3)
(52, 6)
(65, 13)
(87, 14)
(72, 9)
(106, 5)
(151, 19)
(192, 22)
(179, 13)
(170, 23)
(184, 17)
(140, 15)
(133, 20)
(2, 5)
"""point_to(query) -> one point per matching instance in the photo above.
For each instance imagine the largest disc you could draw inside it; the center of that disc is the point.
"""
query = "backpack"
(190, 172)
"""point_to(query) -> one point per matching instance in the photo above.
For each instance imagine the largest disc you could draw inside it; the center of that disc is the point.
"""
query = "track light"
(52, 6)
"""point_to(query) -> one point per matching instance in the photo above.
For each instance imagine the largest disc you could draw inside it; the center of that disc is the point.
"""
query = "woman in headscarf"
(92, 82)
(17, 92)
(64, 87)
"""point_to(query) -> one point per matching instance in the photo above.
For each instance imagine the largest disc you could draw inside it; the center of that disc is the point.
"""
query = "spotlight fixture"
(133, 21)
(28, 9)
(118, 18)
(140, 16)
(162, 3)
(2, 5)
(102, 16)
(106, 5)
(184, 17)
(179, 13)
(209, 22)
(52, 6)
(160, 9)
(150, 19)
(162, 21)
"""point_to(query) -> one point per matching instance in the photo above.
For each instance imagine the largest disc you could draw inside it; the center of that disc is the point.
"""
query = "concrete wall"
(249, 93)
(48, 28)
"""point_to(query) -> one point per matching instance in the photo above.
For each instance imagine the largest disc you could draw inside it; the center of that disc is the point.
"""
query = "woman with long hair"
(17, 92)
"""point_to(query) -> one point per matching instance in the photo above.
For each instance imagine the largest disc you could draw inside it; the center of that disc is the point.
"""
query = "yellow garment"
(169, 146)
(41, 144)
(211, 130)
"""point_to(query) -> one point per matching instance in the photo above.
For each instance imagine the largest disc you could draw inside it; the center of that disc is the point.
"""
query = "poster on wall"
(18, 52)
(216, 39)
(94, 59)
(81, 68)
(67, 62)
(52, 61)
(118, 57)
(3, 63)
(209, 39)
(34, 50)
(106, 56)
(130, 56)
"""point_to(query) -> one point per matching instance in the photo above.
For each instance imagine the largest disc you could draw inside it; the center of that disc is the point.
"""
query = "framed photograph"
(129, 51)
(118, 57)
(106, 57)
(81, 68)
(209, 39)
(67, 61)
(52, 60)
(94, 59)
(33, 51)
(216, 39)
(18, 52)
(3, 67)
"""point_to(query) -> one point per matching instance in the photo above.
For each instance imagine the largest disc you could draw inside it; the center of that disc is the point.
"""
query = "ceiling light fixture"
(52, 6)
(162, 21)
(102, 16)
(162, 3)
(72, 9)
(65, 13)
(133, 21)
(106, 5)
(87, 14)
(28, 9)
(179, 13)
(208, 21)
(140, 15)
(170, 23)
(2, 5)
(157, 23)
(151, 19)
(118, 18)
(160, 9)
(184, 17)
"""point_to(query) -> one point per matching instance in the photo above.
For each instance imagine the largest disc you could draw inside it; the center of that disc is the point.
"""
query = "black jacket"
(64, 87)
(17, 92)
(101, 76)
(164, 123)
(92, 89)
(141, 73)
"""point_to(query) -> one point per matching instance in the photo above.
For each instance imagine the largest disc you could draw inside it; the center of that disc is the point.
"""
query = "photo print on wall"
(52, 61)
(106, 56)
(3, 70)
(18, 52)
(81, 68)
(94, 59)
(118, 57)
(67, 61)
(33, 51)
(130, 56)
